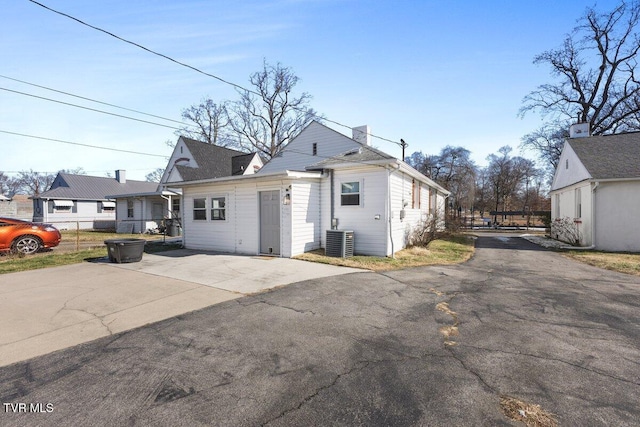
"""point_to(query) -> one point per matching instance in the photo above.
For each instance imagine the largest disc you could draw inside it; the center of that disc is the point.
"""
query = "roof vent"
(354, 151)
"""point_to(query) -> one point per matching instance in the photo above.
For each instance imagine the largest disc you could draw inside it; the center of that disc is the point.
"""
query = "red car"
(26, 237)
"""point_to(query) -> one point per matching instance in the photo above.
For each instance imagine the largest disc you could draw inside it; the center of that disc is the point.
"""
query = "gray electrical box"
(339, 243)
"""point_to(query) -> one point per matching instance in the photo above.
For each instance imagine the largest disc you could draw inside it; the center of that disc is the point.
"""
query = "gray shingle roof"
(84, 187)
(360, 155)
(609, 156)
(213, 161)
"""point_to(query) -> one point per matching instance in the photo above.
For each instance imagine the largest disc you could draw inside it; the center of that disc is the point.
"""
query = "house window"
(129, 208)
(416, 187)
(106, 207)
(578, 203)
(199, 209)
(315, 149)
(217, 209)
(557, 207)
(350, 194)
(566, 164)
(175, 207)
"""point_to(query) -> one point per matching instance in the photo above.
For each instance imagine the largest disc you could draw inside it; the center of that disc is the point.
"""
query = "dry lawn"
(450, 250)
(621, 262)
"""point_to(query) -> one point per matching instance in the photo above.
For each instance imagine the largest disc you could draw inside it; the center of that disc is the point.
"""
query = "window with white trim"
(200, 209)
(129, 208)
(578, 202)
(350, 193)
(218, 209)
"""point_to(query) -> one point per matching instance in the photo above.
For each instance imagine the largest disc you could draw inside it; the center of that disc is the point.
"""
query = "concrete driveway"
(46, 310)
(437, 346)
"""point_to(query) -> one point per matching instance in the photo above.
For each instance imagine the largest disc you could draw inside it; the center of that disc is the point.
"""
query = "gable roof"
(213, 161)
(362, 154)
(609, 156)
(84, 187)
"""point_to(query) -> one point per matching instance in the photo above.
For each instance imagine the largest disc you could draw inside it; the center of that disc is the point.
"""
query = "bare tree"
(595, 83)
(154, 176)
(208, 122)
(269, 116)
(8, 186)
(547, 142)
(453, 169)
(34, 183)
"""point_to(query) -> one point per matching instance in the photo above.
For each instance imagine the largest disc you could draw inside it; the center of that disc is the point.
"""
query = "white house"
(83, 201)
(596, 190)
(321, 180)
(191, 160)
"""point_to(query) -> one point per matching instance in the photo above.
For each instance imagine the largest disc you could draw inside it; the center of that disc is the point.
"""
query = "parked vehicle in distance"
(26, 237)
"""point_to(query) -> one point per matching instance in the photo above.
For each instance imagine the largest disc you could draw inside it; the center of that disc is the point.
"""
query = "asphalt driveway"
(425, 346)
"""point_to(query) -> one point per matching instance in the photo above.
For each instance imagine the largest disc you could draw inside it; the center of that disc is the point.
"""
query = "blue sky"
(434, 73)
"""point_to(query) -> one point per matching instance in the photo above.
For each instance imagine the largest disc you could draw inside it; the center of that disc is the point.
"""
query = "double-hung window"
(218, 209)
(350, 194)
(200, 208)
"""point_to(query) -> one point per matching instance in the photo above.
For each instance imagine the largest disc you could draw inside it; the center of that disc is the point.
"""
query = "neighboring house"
(595, 194)
(321, 179)
(191, 160)
(82, 201)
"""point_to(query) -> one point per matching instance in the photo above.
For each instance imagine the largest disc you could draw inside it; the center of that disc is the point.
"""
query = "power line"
(236, 86)
(88, 108)
(96, 101)
(83, 145)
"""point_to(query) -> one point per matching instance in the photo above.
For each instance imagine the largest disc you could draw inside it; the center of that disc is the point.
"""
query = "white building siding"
(573, 203)
(299, 152)
(83, 215)
(305, 217)
(208, 234)
(617, 205)
(408, 212)
(368, 220)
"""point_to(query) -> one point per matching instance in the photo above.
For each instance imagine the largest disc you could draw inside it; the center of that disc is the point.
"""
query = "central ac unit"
(339, 243)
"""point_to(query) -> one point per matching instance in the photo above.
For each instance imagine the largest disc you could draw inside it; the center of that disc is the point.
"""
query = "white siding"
(617, 204)
(570, 169)
(370, 234)
(403, 199)
(305, 217)
(564, 205)
(84, 217)
(299, 152)
(240, 232)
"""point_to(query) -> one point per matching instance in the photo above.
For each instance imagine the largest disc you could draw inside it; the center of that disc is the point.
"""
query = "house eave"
(144, 194)
(287, 174)
(594, 180)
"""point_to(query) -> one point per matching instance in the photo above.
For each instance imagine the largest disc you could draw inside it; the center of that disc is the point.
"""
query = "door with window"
(270, 222)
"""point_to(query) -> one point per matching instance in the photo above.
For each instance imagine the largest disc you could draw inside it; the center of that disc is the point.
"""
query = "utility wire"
(83, 145)
(88, 108)
(236, 86)
(96, 101)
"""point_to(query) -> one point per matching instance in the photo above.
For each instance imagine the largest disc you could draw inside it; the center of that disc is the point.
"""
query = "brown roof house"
(191, 160)
(595, 194)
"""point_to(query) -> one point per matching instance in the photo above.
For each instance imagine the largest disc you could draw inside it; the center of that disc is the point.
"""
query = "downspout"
(390, 212)
(332, 212)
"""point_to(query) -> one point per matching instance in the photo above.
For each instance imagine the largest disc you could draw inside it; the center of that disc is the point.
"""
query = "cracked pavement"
(366, 349)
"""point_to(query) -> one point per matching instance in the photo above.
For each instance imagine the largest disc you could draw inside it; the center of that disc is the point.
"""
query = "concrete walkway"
(50, 309)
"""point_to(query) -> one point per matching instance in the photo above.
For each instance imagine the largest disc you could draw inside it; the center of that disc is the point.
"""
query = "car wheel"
(27, 245)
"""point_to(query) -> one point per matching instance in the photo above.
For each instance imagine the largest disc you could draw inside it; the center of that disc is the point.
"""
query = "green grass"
(448, 250)
(12, 263)
(15, 263)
